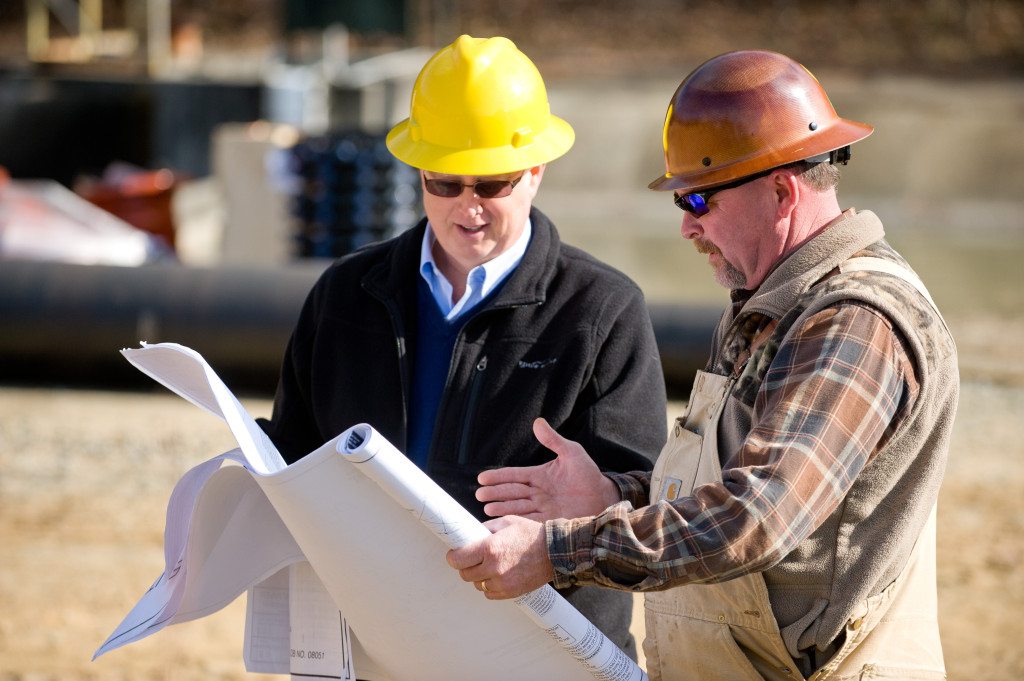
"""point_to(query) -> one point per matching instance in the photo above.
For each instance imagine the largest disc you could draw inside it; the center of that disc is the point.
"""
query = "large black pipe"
(683, 333)
(61, 322)
(66, 323)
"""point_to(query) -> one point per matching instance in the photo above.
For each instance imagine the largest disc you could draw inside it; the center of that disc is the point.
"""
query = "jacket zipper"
(467, 417)
(400, 351)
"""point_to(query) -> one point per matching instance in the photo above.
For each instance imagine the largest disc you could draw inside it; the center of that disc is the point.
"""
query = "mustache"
(706, 247)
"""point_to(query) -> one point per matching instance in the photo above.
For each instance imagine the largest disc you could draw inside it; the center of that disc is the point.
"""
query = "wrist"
(609, 493)
(569, 545)
(542, 542)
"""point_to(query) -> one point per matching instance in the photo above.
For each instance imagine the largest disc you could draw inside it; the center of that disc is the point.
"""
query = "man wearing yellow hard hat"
(788, 528)
(453, 337)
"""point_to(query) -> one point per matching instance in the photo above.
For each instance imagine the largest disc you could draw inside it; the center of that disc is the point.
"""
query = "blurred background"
(181, 170)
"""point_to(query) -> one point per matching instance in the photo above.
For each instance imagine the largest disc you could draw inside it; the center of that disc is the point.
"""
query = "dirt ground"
(85, 476)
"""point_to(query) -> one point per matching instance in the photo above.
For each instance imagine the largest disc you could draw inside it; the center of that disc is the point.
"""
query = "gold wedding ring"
(483, 585)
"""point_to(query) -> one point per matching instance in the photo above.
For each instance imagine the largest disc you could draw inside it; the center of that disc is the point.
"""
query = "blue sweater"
(435, 341)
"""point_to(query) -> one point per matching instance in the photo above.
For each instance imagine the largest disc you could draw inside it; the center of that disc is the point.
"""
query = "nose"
(468, 200)
(691, 228)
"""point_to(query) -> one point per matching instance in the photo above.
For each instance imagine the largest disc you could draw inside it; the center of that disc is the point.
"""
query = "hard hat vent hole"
(813, 126)
(706, 161)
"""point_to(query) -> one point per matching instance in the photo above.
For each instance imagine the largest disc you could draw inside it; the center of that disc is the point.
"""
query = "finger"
(497, 591)
(504, 492)
(493, 595)
(474, 574)
(513, 474)
(515, 507)
(549, 437)
(465, 557)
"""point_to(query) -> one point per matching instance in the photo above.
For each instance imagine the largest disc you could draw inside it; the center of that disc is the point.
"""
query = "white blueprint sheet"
(368, 522)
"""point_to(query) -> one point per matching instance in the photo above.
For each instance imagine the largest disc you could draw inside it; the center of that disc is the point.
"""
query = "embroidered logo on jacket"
(539, 364)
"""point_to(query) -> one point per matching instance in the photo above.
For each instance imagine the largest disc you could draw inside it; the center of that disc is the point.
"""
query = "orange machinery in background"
(142, 198)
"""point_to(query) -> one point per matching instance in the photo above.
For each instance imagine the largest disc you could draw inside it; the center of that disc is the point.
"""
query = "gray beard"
(727, 275)
(730, 277)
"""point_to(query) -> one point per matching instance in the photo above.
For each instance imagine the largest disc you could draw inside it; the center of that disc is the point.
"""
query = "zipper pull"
(475, 383)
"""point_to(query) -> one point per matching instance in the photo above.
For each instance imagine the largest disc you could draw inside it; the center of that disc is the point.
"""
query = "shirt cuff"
(634, 487)
(570, 549)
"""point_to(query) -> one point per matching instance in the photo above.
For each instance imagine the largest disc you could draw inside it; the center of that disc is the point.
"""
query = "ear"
(534, 175)
(787, 194)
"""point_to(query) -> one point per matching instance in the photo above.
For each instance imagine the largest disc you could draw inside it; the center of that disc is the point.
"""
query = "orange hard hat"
(746, 112)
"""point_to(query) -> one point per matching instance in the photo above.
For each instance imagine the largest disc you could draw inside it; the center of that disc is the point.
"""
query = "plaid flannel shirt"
(827, 400)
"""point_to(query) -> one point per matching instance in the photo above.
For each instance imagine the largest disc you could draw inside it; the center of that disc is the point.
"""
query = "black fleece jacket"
(566, 337)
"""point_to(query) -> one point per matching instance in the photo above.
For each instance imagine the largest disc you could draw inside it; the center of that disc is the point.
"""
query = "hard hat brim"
(841, 133)
(554, 141)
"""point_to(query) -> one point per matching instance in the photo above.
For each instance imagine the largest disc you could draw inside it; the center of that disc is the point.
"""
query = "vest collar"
(849, 233)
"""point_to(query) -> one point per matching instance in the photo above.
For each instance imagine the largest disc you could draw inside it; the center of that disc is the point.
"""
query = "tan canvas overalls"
(726, 631)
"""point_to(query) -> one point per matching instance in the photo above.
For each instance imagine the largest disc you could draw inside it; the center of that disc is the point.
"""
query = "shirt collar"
(480, 281)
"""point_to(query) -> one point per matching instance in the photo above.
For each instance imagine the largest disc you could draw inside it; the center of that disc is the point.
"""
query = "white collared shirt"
(480, 281)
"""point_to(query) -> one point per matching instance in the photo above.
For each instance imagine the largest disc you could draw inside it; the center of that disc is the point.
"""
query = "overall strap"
(873, 264)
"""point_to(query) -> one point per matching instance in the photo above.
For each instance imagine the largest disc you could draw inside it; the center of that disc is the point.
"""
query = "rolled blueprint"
(416, 492)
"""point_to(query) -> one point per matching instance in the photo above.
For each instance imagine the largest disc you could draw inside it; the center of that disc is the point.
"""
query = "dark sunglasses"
(485, 189)
(697, 202)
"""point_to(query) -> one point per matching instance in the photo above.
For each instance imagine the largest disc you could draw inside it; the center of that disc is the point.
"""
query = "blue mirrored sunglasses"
(697, 202)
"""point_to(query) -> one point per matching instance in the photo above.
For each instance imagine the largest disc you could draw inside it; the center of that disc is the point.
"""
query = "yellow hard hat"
(479, 107)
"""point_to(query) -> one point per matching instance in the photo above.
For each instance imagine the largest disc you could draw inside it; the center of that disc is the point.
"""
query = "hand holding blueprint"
(368, 522)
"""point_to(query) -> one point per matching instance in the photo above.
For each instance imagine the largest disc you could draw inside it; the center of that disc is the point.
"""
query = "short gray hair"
(818, 176)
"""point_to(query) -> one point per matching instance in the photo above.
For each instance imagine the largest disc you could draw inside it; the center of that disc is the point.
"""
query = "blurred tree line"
(955, 38)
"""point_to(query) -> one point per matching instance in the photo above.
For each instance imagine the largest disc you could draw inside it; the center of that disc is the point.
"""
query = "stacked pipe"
(351, 192)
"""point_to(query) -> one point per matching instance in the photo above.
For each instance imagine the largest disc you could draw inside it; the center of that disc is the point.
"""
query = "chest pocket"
(690, 458)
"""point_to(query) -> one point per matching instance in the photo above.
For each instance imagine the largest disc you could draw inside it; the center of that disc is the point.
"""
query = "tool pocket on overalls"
(708, 648)
(678, 472)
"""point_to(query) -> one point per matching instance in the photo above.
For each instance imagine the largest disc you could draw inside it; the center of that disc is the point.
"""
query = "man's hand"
(570, 486)
(511, 562)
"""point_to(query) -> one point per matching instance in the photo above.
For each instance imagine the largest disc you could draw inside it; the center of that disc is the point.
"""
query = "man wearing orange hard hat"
(451, 338)
(788, 528)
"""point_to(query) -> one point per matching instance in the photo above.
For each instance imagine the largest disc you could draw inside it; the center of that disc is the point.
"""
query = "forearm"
(579, 550)
(792, 471)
